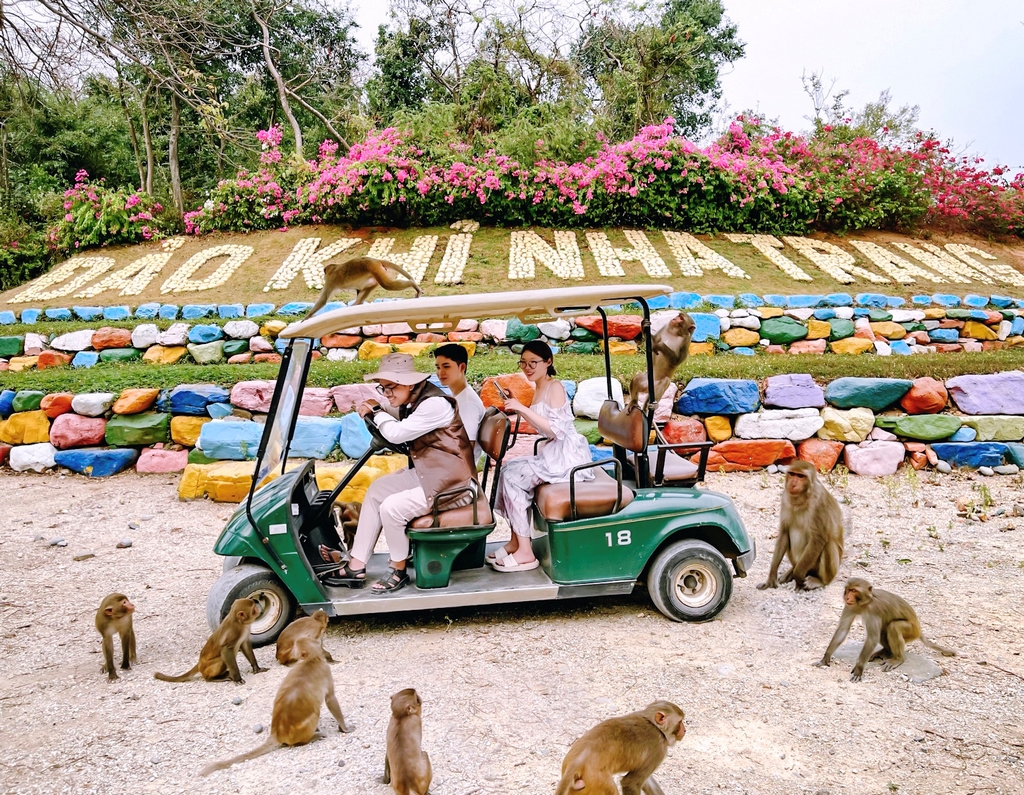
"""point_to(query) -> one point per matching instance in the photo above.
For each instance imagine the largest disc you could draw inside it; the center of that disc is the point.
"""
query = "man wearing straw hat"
(422, 416)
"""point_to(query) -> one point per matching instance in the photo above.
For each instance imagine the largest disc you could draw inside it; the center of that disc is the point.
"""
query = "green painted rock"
(1015, 454)
(27, 400)
(120, 354)
(207, 352)
(783, 330)
(197, 456)
(914, 326)
(841, 329)
(997, 427)
(517, 331)
(879, 316)
(11, 346)
(871, 393)
(959, 314)
(581, 334)
(589, 430)
(927, 427)
(235, 347)
(127, 430)
(582, 347)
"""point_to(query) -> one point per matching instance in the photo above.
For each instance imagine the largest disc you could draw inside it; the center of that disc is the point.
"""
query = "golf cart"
(641, 518)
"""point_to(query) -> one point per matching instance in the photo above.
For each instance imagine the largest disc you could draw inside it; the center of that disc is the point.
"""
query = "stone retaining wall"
(870, 425)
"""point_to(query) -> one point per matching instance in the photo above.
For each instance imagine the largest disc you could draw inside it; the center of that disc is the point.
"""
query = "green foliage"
(23, 254)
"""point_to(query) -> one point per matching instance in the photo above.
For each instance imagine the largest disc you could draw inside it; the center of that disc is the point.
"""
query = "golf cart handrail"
(448, 310)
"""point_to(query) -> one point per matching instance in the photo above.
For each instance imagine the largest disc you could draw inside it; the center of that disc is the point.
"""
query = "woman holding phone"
(551, 414)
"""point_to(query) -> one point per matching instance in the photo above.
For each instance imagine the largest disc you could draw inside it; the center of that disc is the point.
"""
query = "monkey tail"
(941, 649)
(571, 782)
(266, 748)
(183, 678)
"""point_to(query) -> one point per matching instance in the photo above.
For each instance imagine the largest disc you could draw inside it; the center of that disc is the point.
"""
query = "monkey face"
(857, 592)
(796, 483)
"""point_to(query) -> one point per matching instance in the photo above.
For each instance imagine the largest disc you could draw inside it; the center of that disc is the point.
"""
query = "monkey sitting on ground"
(311, 627)
(296, 706)
(115, 615)
(364, 275)
(888, 620)
(634, 744)
(810, 532)
(219, 656)
(406, 765)
(670, 347)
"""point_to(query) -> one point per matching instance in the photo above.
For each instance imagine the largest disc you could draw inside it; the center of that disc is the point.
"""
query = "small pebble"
(84, 555)
(58, 542)
(146, 517)
(154, 760)
(236, 700)
(772, 469)
(1007, 469)
(124, 543)
(37, 537)
(986, 471)
(133, 525)
(1018, 509)
(943, 467)
(258, 728)
(341, 763)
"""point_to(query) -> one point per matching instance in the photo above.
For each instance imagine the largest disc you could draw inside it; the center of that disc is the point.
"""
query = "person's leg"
(370, 524)
(515, 496)
(395, 513)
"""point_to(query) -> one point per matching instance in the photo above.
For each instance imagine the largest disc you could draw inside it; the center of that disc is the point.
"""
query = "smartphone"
(504, 395)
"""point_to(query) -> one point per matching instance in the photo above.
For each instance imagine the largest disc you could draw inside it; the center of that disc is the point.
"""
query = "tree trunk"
(282, 91)
(133, 137)
(172, 154)
(147, 139)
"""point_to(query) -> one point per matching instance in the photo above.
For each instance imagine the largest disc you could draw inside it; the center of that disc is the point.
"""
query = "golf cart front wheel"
(250, 581)
(690, 581)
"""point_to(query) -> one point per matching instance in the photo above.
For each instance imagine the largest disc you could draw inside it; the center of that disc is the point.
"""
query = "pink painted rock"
(260, 345)
(338, 341)
(52, 359)
(881, 435)
(56, 403)
(743, 455)
(987, 345)
(993, 318)
(947, 323)
(391, 329)
(108, 337)
(931, 455)
(468, 325)
(663, 411)
(240, 358)
(429, 336)
(348, 396)
(925, 396)
(776, 349)
(135, 401)
(685, 429)
(823, 453)
(948, 347)
(920, 337)
(915, 447)
(465, 336)
(272, 358)
(4, 365)
(624, 327)
(252, 395)
(159, 461)
(874, 459)
(808, 346)
(316, 401)
(74, 430)
(862, 329)
(918, 460)
(971, 346)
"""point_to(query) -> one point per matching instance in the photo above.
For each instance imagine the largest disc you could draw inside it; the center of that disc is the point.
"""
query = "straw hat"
(397, 367)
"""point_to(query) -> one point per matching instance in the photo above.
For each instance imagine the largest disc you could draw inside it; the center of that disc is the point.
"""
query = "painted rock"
(818, 329)
(314, 437)
(206, 353)
(34, 457)
(27, 400)
(927, 427)
(494, 329)
(56, 403)
(591, 393)
(965, 434)
(622, 348)
(72, 430)
(147, 311)
(558, 329)
(589, 347)
(719, 396)
(145, 335)
(158, 354)
(262, 344)
(373, 350)
(707, 327)
(873, 393)
(241, 329)
(25, 427)
(783, 330)
(517, 331)
(126, 430)
(230, 310)
(92, 404)
(185, 429)
(354, 439)
(75, 341)
(999, 393)
(740, 455)
(316, 402)
(220, 410)
(874, 459)
(270, 358)
(925, 396)
(234, 348)
(116, 312)
(852, 345)
(792, 424)
(192, 399)
(684, 430)
(718, 428)
(738, 337)
(414, 348)
(1015, 453)
(822, 453)
(979, 331)
(174, 336)
(846, 426)
(259, 310)
(840, 329)
(795, 391)
(120, 354)
(95, 463)
(808, 346)
(889, 330)
(997, 428)
(971, 454)
(49, 359)
(108, 337)
(347, 396)
(135, 401)
(626, 327)
(160, 461)
(198, 311)
(234, 441)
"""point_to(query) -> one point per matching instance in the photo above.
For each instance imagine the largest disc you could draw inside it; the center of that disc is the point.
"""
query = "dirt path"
(506, 691)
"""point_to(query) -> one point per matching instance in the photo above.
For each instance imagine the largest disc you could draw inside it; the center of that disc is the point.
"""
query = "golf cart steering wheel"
(379, 442)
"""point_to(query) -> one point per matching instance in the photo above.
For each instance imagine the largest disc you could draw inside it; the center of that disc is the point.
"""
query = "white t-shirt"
(471, 411)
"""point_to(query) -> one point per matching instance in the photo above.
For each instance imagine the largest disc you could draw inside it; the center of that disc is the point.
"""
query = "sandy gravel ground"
(507, 690)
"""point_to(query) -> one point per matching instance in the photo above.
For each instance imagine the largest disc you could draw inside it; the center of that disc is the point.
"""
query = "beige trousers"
(391, 502)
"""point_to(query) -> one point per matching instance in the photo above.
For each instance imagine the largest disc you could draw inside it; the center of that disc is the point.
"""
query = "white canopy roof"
(448, 310)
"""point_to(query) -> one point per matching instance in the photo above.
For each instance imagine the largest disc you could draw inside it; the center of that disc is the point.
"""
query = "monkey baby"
(406, 765)
(115, 616)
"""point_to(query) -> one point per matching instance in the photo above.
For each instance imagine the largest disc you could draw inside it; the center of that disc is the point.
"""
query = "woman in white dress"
(551, 414)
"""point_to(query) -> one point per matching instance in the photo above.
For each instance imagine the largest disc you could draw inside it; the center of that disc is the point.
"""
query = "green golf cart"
(640, 519)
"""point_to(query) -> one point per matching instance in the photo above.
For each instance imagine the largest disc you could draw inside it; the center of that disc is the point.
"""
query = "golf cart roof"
(450, 309)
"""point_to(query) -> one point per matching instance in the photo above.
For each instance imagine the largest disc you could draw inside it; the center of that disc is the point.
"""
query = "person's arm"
(544, 427)
(431, 414)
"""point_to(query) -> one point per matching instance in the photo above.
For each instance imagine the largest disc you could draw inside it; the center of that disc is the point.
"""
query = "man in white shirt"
(451, 362)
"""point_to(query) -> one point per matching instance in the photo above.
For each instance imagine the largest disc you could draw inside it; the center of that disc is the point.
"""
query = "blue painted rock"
(58, 314)
(659, 302)
(147, 311)
(707, 327)
(922, 300)
(975, 301)
(774, 299)
(1015, 453)
(971, 454)
(824, 314)
(742, 351)
(203, 333)
(197, 311)
(168, 312)
(999, 393)
(259, 310)
(721, 301)
(1000, 301)
(219, 410)
(230, 440)
(95, 463)
(965, 434)
(684, 300)
(873, 393)
(570, 388)
(946, 300)
(750, 300)
(900, 348)
(126, 430)
(8, 318)
(295, 308)
(7, 403)
(87, 312)
(116, 312)
(192, 399)
(805, 301)
(30, 316)
(228, 311)
(354, 438)
(894, 301)
(85, 359)
(315, 437)
(944, 335)
(719, 396)
(1017, 328)
(871, 300)
(783, 330)
(839, 299)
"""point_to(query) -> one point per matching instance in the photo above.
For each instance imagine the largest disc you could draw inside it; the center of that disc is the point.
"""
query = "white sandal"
(511, 564)
(499, 554)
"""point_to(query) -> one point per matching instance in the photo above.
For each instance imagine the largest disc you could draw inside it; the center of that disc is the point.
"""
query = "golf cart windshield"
(284, 411)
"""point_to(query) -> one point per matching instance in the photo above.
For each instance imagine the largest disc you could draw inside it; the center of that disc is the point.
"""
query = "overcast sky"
(962, 61)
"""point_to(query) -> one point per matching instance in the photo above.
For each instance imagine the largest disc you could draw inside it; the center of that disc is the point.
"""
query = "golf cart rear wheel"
(690, 581)
(250, 581)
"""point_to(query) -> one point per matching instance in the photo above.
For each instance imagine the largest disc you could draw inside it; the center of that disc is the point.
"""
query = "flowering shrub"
(753, 179)
(95, 215)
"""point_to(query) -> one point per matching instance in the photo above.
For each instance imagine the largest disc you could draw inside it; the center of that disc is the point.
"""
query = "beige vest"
(443, 459)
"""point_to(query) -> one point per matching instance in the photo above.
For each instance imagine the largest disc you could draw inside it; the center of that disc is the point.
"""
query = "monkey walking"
(296, 706)
(635, 744)
(810, 532)
(219, 656)
(670, 347)
(289, 643)
(888, 620)
(406, 765)
(364, 275)
(115, 616)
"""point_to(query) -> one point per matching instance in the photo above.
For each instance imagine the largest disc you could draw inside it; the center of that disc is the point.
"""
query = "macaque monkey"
(115, 616)
(346, 519)
(311, 627)
(297, 706)
(671, 346)
(219, 656)
(406, 765)
(364, 275)
(810, 532)
(888, 620)
(634, 744)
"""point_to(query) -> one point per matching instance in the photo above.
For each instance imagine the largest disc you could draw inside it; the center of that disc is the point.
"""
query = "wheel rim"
(695, 585)
(272, 606)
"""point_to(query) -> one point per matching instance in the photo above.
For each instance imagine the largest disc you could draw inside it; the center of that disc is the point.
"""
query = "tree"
(400, 81)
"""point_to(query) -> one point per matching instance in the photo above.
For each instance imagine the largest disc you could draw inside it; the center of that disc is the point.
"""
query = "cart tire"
(255, 582)
(690, 581)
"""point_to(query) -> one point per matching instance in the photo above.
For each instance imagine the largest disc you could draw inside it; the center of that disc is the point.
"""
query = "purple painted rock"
(808, 346)
(157, 460)
(795, 391)
(73, 430)
(316, 402)
(874, 459)
(999, 393)
(348, 396)
(260, 345)
(252, 395)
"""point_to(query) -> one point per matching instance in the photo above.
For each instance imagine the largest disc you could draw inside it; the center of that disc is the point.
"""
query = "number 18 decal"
(622, 539)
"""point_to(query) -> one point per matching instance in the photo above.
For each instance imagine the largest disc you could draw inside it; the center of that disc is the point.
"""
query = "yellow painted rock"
(413, 348)
(1013, 342)
(621, 347)
(817, 329)
(742, 337)
(19, 363)
(373, 350)
(185, 430)
(227, 481)
(972, 328)
(846, 426)
(135, 401)
(770, 311)
(851, 345)
(470, 347)
(719, 428)
(934, 313)
(889, 330)
(25, 427)
(272, 328)
(388, 463)
(701, 349)
(158, 354)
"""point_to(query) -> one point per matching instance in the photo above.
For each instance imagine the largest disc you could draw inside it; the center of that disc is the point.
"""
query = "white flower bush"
(900, 269)
(414, 262)
(181, 280)
(768, 245)
(308, 257)
(564, 260)
(456, 255)
(833, 260)
(694, 257)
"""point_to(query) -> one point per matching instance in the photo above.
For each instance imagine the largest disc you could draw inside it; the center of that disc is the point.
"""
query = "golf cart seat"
(449, 540)
(629, 429)
(602, 496)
